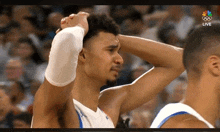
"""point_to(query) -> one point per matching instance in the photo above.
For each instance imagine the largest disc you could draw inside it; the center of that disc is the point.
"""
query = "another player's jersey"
(90, 119)
(173, 109)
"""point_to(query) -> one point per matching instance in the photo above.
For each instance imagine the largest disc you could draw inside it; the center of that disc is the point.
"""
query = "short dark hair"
(100, 22)
(199, 44)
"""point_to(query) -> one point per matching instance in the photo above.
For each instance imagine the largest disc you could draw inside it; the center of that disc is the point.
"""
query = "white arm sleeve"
(66, 46)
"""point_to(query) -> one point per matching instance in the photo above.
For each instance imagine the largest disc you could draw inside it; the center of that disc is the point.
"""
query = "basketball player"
(83, 59)
(200, 107)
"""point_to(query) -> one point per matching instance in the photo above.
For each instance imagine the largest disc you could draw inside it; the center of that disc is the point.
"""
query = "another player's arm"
(167, 61)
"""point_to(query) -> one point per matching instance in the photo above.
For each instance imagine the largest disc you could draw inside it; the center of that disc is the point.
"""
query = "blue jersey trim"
(80, 120)
(164, 120)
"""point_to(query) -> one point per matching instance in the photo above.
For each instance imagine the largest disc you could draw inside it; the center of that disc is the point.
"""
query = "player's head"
(100, 23)
(99, 57)
(202, 50)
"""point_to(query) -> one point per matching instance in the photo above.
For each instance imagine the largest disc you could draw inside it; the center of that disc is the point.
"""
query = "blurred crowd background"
(26, 33)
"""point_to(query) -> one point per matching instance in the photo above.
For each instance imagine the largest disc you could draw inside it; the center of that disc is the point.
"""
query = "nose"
(119, 59)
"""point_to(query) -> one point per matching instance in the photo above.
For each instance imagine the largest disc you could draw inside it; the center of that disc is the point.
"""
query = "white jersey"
(174, 109)
(90, 119)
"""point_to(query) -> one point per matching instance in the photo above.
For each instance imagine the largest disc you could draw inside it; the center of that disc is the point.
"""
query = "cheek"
(98, 65)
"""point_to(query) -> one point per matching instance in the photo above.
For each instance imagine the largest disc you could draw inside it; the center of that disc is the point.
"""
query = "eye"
(111, 50)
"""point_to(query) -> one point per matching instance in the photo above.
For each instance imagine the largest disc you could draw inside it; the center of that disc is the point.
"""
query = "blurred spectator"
(53, 23)
(22, 120)
(133, 24)
(7, 110)
(35, 84)
(215, 9)
(140, 70)
(120, 12)
(4, 20)
(54, 19)
(14, 32)
(29, 29)
(140, 119)
(144, 9)
(178, 92)
(182, 79)
(39, 76)
(5, 86)
(102, 9)
(29, 55)
(183, 23)
(152, 106)
(19, 98)
(19, 12)
(167, 34)
(14, 70)
(4, 48)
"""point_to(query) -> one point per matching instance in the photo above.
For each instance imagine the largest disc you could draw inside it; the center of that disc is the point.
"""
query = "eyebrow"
(114, 46)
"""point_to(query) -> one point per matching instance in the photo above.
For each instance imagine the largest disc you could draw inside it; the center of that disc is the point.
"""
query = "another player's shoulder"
(184, 121)
(192, 123)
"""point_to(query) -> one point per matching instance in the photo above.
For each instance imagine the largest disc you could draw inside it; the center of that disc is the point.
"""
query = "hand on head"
(79, 19)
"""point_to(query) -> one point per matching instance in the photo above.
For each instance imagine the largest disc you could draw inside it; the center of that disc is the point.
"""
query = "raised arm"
(167, 61)
(158, 54)
(60, 73)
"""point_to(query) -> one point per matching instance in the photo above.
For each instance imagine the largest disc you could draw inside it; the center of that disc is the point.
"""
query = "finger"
(64, 20)
(83, 13)
(71, 16)
(58, 30)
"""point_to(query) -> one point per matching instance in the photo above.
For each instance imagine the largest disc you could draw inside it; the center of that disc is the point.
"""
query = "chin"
(111, 83)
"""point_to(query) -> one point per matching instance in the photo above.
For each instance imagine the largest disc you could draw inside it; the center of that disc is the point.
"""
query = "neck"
(202, 96)
(86, 90)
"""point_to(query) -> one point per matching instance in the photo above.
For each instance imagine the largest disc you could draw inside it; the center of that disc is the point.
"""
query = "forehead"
(104, 39)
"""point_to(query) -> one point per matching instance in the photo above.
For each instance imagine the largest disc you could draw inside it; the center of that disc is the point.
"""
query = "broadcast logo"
(207, 17)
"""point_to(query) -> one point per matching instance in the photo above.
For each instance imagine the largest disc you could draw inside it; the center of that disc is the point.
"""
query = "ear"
(214, 65)
(81, 57)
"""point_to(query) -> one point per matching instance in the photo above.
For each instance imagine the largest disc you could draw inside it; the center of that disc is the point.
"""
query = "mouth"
(116, 71)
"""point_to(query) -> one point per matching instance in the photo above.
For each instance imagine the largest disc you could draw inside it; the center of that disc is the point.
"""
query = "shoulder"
(184, 121)
(192, 123)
